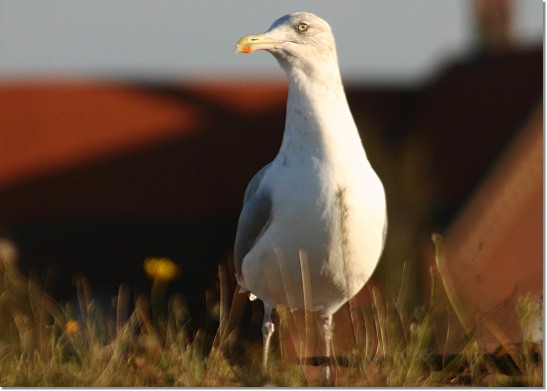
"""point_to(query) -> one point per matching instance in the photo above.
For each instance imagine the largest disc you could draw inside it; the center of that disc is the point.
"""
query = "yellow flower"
(72, 327)
(161, 269)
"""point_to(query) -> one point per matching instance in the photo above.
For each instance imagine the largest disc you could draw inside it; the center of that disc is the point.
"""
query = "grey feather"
(255, 217)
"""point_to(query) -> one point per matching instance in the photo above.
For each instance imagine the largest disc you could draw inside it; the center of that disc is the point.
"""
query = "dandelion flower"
(161, 269)
(72, 327)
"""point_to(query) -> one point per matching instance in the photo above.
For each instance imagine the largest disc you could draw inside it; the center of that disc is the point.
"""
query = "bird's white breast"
(335, 214)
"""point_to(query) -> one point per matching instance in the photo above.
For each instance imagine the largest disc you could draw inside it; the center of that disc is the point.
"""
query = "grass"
(44, 343)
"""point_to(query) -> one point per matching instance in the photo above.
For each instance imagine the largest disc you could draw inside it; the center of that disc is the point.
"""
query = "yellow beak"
(251, 43)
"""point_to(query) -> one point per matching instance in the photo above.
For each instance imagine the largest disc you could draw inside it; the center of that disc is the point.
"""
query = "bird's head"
(300, 40)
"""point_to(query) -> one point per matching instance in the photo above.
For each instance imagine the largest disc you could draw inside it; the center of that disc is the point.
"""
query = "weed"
(44, 343)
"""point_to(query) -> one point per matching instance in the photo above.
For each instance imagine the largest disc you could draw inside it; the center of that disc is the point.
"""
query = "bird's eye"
(301, 27)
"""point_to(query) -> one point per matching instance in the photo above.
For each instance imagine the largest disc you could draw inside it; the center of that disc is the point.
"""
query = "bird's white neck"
(318, 121)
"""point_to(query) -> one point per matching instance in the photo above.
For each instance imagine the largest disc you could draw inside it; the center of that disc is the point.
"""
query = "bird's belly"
(318, 251)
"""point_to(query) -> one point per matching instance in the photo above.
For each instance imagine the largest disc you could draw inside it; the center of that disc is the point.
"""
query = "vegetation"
(43, 343)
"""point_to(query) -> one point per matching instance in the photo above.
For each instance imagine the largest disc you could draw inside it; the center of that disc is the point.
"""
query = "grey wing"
(255, 217)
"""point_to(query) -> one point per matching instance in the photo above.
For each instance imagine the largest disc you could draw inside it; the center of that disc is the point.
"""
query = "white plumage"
(319, 202)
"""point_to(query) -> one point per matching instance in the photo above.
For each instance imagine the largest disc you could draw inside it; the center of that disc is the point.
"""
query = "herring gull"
(313, 222)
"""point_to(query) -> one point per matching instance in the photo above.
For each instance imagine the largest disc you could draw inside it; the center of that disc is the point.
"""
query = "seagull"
(313, 223)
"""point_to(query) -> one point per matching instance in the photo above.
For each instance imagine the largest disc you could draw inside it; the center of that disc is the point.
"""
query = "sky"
(378, 41)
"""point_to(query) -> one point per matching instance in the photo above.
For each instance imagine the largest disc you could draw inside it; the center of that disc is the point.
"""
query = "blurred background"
(130, 128)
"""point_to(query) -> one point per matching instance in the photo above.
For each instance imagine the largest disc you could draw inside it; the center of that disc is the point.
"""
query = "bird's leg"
(268, 329)
(327, 331)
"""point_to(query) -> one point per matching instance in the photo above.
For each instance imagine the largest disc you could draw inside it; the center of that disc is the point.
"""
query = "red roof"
(89, 135)
(50, 126)
(495, 248)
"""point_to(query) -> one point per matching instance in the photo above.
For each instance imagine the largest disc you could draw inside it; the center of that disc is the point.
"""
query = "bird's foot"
(268, 329)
